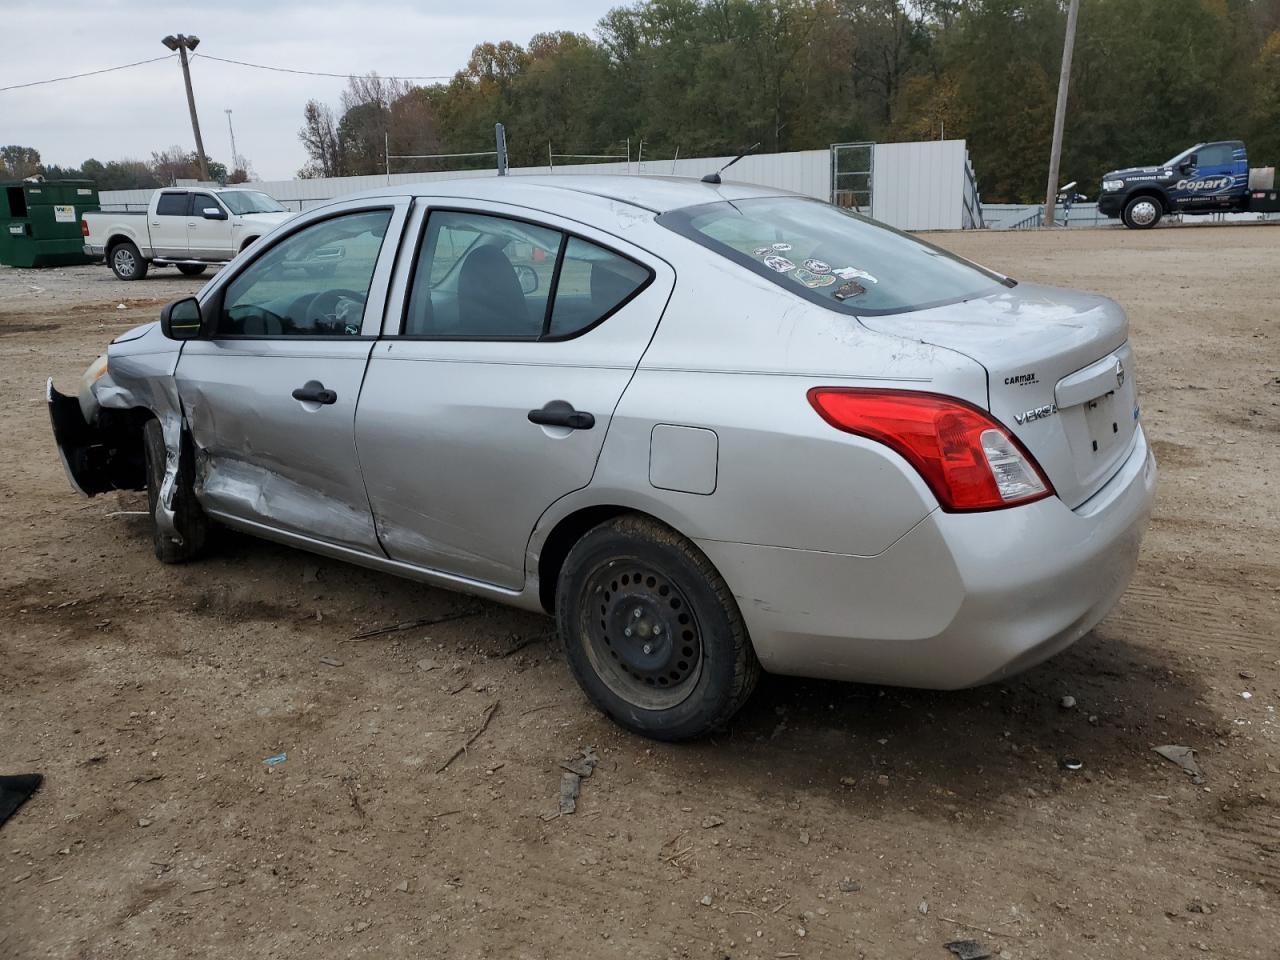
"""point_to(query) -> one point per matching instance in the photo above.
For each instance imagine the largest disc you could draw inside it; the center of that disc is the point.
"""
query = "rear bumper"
(94, 250)
(960, 600)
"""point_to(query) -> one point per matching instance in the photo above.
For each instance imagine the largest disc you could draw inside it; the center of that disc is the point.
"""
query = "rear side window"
(832, 256)
(593, 283)
(484, 277)
(172, 205)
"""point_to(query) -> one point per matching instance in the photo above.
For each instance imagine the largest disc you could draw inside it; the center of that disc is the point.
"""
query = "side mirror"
(528, 277)
(214, 213)
(181, 319)
(1189, 164)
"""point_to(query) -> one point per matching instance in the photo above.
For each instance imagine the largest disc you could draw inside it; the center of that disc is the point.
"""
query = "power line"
(91, 73)
(312, 73)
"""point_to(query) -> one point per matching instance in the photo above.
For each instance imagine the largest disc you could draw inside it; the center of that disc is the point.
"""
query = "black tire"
(1142, 212)
(189, 518)
(651, 681)
(192, 269)
(126, 261)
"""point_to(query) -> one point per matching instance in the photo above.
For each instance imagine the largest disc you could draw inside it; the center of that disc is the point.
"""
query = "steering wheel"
(321, 310)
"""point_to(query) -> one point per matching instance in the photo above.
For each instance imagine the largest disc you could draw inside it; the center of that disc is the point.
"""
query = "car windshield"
(831, 256)
(250, 201)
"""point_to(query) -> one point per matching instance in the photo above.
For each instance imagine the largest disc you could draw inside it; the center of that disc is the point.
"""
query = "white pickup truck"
(185, 228)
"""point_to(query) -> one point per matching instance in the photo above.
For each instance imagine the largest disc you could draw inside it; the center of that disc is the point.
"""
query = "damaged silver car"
(712, 429)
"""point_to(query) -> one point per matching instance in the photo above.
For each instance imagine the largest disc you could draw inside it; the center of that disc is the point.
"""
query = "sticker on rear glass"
(817, 266)
(813, 280)
(781, 247)
(781, 264)
(848, 290)
(853, 273)
(762, 251)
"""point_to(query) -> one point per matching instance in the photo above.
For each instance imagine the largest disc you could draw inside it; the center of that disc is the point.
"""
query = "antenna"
(715, 177)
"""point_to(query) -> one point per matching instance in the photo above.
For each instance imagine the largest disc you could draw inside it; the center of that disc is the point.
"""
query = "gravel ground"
(832, 820)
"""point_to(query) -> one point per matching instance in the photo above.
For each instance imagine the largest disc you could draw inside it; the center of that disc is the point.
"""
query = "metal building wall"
(919, 185)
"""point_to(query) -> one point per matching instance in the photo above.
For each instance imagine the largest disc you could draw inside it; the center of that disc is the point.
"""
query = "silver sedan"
(712, 429)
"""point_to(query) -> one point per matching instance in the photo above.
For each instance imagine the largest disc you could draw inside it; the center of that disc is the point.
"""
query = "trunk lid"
(1059, 374)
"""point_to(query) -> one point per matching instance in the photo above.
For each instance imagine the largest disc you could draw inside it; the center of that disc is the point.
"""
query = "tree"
(18, 162)
(319, 134)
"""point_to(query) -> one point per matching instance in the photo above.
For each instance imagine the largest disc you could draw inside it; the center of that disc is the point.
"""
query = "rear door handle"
(558, 413)
(313, 391)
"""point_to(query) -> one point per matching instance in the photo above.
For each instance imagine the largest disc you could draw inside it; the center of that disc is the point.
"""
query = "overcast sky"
(132, 112)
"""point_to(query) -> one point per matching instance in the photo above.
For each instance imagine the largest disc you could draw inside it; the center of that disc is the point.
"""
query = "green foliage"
(18, 162)
(1150, 77)
(708, 77)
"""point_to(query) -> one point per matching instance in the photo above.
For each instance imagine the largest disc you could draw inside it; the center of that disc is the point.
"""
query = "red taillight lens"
(969, 461)
(84, 228)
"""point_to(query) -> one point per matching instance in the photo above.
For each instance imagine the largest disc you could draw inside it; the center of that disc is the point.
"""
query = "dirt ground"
(831, 820)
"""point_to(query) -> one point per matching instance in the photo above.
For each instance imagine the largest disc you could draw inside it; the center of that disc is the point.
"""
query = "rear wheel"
(127, 262)
(188, 517)
(652, 632)
(1142, 213)
(192, 269)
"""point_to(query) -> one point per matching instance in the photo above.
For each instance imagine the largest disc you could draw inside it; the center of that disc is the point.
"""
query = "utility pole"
(1060, 116)
(182, 44)
(235, 157)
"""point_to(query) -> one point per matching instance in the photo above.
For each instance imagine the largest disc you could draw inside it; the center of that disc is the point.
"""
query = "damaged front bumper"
(95, 457)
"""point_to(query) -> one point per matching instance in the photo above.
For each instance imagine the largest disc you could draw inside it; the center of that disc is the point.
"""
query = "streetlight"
(235, 157)
(182, 44)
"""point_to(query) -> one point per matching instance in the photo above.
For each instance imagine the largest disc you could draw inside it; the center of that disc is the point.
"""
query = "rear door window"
(832, 256)
(485, 277)
(171, 205)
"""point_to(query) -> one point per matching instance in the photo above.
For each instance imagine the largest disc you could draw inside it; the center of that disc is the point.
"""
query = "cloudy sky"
(130, 113)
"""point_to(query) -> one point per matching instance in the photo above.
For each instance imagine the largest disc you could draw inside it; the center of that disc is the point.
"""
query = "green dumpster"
(40, 221)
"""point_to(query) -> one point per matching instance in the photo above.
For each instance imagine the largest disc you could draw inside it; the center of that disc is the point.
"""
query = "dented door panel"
(263, 456)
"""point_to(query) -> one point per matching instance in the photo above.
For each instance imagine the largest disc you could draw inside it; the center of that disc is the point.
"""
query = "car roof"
(656, 194)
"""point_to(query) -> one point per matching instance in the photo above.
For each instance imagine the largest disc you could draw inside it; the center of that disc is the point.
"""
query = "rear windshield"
(831, 256)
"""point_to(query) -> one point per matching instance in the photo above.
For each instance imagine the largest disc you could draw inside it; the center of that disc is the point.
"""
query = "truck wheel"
(188, 516)
(652, 632)
(192, 269)
(1142, 213)
(127, 262)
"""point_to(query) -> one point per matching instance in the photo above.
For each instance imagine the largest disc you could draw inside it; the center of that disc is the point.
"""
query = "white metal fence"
(916, 186)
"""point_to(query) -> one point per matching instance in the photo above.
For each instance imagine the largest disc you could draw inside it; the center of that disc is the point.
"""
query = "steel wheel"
(682, 667)
(643, 638)
(1142, 213)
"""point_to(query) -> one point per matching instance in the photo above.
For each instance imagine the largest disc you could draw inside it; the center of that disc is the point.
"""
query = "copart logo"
(1208, 183)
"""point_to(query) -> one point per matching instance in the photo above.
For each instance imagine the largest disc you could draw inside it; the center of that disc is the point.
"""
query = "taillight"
(84, 227)
(969, 461)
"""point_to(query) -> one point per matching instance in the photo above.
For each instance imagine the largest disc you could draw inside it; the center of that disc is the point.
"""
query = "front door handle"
(313, 391)
(558, 413)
